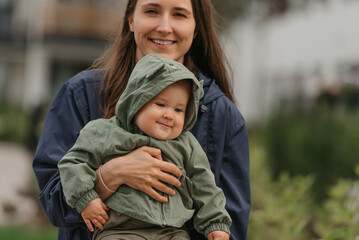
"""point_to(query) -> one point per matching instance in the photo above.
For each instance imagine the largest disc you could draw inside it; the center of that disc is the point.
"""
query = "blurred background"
(295, 66)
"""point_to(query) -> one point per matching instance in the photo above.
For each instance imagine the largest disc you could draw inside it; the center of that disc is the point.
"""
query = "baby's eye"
(160, 104)
(178, 110)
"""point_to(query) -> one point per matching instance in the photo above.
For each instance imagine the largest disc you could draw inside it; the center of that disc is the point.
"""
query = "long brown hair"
(205, 55)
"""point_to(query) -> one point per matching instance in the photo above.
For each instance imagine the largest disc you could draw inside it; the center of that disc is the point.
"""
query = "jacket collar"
(211, 89)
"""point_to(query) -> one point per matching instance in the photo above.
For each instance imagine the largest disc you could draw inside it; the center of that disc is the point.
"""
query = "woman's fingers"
(154, 152)
(145, 166)
(154, 177)
(165, 166)
(170, 168)
(163, 188)
(155, 195)
(143, 169)
(168, 178)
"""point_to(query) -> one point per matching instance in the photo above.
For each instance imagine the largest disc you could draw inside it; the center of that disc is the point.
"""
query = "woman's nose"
(164, 24)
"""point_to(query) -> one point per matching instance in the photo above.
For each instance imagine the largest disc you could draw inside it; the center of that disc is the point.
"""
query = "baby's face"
(163, 116)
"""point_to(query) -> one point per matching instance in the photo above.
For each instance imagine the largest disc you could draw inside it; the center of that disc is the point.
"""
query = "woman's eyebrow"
(150, 5)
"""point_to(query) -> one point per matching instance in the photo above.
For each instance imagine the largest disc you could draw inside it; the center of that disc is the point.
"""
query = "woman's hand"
(218, 235)
(143, 169)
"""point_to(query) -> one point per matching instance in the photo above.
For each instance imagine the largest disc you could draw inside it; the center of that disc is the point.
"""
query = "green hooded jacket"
(104, 139)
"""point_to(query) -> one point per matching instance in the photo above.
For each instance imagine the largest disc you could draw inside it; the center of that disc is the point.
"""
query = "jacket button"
(203, 108)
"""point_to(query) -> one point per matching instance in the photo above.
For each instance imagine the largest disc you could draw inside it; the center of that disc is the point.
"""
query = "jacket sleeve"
(208, 199)
(64, 120)
(77, 167)
(230, 164)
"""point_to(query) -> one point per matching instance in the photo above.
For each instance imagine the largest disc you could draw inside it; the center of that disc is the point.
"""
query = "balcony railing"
(83, 19)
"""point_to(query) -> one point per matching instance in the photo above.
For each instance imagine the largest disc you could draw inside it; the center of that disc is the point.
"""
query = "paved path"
(17, 206)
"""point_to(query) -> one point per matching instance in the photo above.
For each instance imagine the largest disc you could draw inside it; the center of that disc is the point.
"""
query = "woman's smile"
(162, 42)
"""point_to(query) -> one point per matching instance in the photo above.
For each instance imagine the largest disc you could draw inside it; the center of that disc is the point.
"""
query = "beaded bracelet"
(103, 183)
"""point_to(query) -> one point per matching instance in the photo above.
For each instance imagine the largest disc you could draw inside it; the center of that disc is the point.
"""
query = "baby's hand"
(218, 235)
(95, 212)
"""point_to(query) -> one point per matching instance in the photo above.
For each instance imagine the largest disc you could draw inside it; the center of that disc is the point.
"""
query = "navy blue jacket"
(220, 129)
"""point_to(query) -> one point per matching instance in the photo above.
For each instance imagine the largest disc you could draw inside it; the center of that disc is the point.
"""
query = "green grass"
(20, 233)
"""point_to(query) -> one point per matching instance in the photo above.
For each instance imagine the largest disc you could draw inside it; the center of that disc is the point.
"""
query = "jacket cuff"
(85, 199)
(217, 227)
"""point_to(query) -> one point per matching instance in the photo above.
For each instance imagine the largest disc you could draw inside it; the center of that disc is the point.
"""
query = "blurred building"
(286, 58)
(291, 58)
(44, 42)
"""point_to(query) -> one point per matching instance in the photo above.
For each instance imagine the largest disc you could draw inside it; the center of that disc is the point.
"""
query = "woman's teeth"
(162, 42)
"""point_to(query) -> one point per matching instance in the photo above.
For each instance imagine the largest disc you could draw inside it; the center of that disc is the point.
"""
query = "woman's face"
(163, 27)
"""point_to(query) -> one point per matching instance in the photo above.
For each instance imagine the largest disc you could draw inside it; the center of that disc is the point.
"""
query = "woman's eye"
(150, 11)
(180, 15)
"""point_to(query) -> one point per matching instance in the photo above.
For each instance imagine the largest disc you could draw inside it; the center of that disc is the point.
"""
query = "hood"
(211, 89)
(150, 76)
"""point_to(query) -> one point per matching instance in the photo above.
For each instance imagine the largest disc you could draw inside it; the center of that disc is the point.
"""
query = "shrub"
(285, 208)
(340, 216)
(13, 124)
(280, 209)
(319, 141)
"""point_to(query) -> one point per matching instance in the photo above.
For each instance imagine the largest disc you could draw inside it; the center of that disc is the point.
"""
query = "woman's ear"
(130, 22)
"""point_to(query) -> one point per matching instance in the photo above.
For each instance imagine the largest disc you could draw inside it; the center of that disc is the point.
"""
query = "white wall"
(268, 57)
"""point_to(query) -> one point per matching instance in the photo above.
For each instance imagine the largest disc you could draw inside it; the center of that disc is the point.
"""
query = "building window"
(3, 77)
(5, 18)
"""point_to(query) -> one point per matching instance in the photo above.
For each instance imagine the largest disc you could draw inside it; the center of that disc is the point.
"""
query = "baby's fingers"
(89, 225)
(101, 220)
(97, 223)
(105, 216)
(104, 206)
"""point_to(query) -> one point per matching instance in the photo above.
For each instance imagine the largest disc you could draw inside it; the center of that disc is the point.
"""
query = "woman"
(179, 30)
